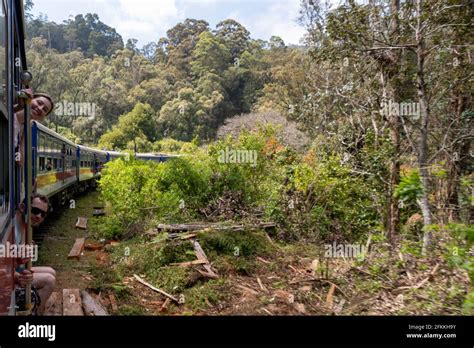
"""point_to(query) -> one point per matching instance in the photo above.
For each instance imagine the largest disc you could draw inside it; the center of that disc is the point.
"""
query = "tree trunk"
(425, 116)
(395, 125)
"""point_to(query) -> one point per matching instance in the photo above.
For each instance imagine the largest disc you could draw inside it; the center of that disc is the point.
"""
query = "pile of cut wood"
(73, 302)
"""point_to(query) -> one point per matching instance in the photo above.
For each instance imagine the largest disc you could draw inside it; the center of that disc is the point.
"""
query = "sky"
(148, 20)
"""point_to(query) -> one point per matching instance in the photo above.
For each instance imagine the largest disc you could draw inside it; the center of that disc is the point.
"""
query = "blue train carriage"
(90, 164)
(157, 157)
(54, 163)
(112, 155)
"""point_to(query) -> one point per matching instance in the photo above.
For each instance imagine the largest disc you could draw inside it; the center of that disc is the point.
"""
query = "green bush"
(322, 201)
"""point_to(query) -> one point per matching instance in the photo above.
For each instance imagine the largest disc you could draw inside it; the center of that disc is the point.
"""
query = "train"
(62, 168)
(53, 165)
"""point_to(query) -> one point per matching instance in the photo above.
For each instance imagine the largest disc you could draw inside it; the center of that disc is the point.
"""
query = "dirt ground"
(291, 280)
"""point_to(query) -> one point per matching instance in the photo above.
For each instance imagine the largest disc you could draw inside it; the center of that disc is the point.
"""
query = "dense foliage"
(380, 93)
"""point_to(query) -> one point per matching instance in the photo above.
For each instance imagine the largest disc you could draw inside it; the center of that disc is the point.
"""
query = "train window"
(41, 164)
(55, 163)
(60, 163)
(82, 163)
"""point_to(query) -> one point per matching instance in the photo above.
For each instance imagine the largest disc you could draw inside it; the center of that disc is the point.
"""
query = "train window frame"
(4, 130)
(42, 163)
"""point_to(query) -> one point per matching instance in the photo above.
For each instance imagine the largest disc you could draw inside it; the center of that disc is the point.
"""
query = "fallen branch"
(155, 289)
(207, 274)
(247, 289)
(423, 282)
(212, 226)
(190, 263)
(329, 297)
(263, 260)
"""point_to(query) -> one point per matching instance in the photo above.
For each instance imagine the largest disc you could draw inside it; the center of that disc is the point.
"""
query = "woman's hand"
(28, 93)
(24, 278)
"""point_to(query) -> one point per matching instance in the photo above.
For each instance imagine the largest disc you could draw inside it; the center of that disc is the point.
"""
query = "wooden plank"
(72, 303)
(91, 306)
(201, 255)
(77, 248)
(81, 223)
(156, 289)
(54, 305)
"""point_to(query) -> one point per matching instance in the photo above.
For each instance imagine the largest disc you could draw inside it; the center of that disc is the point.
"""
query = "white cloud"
(279, 20)
(146, 20)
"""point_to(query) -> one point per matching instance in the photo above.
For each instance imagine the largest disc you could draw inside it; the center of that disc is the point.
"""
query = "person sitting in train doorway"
(43, 279)
(41, 106)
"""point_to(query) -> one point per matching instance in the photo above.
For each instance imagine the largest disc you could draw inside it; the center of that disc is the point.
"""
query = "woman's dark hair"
(47, 96)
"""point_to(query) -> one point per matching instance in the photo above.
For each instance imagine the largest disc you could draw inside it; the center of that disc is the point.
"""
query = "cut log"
(217, 227)
(181, 227)
(156, 289)
(54, 305)
(201, 255)
(91, 306)
(72, 304)
(77, 248)
(81, 223)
